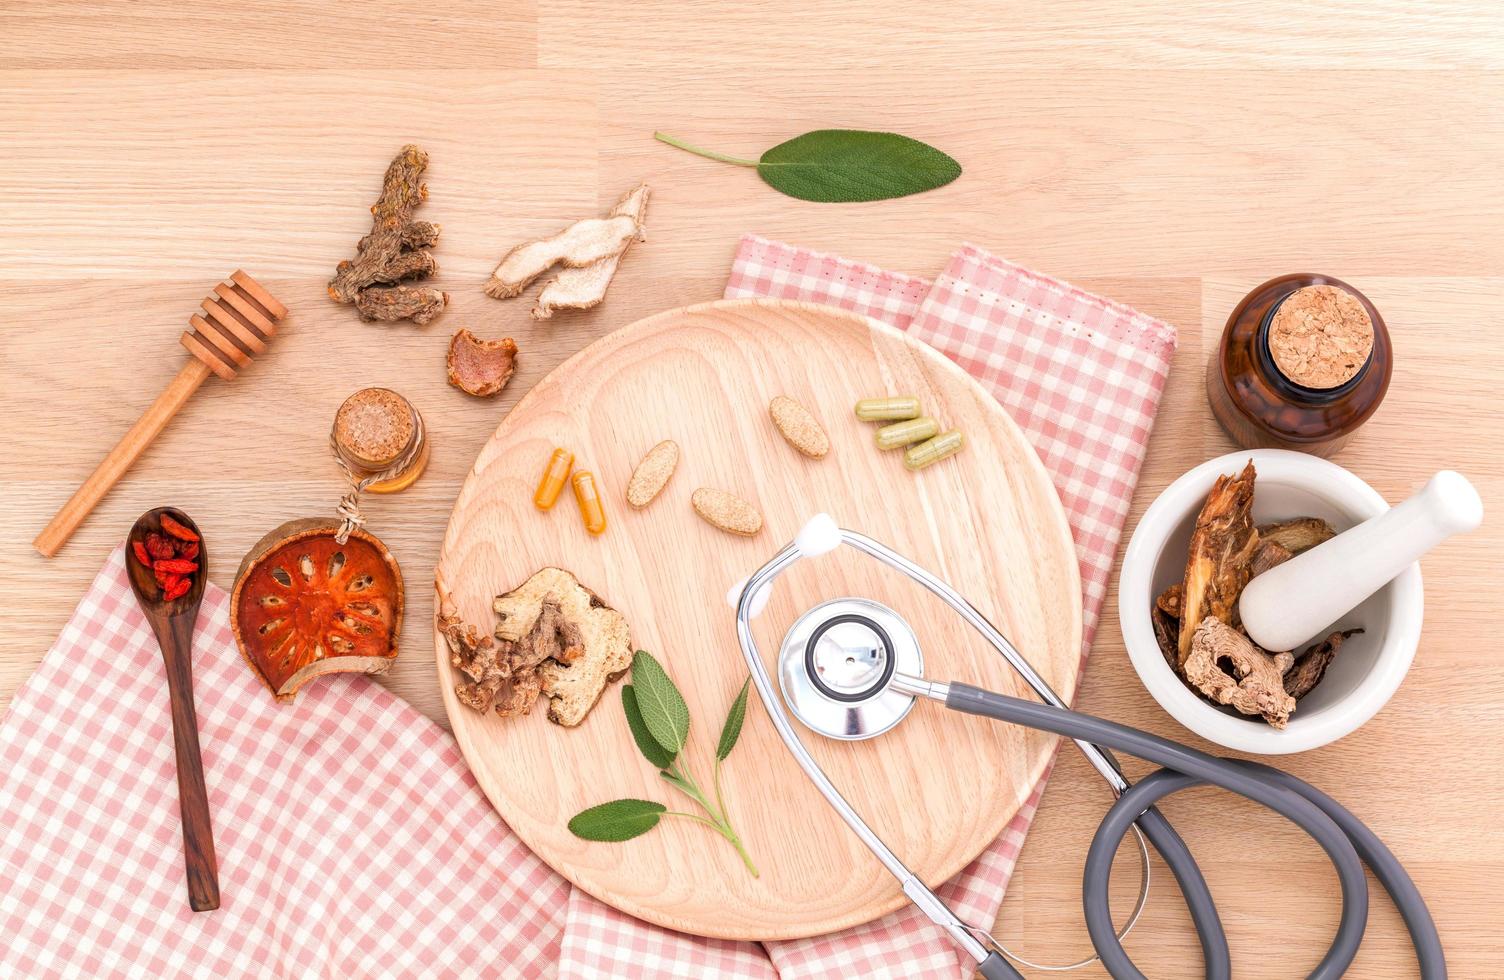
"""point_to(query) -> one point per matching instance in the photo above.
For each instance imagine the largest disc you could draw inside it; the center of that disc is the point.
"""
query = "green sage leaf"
(839, 165)
(844, 165)
(655, 753)
(663, 709)
(618, 820)
(732, 730)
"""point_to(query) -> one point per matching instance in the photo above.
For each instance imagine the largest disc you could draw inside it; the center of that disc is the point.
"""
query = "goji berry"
(187, 549)
(178, 566)
(177, 530)
(159, 547)
(141, 555)
(177, 591)
(163, 576)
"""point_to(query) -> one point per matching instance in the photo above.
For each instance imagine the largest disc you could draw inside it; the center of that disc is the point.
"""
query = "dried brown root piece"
(1252, 681)
(1222, 547)
(1266, 556)
(1300, 534)
(580, 244)
(480, 367)
(1165, 616)
(581, 287)
(554, 628)
(1311, 666)
(487, 673)
(420, 304)
(395, 251)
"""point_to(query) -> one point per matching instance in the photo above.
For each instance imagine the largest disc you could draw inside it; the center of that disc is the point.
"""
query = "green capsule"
(905, 433)
(887, 409)
(934, 450)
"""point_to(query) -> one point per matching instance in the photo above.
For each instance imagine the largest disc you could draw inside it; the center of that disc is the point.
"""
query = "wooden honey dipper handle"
(236, 321)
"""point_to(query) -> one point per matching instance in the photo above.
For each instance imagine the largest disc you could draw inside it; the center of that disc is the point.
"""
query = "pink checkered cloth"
(352, 840)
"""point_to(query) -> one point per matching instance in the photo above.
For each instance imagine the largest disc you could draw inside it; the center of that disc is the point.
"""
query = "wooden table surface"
(1166, 155)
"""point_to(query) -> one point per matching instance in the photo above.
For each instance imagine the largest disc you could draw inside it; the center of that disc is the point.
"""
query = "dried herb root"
(395, 251)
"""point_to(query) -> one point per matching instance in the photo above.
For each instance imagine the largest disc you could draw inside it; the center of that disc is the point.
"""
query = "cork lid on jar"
(1320, 337)
(373, 427)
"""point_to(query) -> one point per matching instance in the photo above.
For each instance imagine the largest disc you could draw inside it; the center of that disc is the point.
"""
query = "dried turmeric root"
(396, 250)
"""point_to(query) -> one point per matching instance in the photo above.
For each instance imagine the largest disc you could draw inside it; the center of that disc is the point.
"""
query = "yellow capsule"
(554, 475)
(934, 450)
(887, 409)
(589, 499)
(904, 433)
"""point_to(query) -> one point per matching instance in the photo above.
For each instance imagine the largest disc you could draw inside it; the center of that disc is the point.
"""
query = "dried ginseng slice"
(305, 605)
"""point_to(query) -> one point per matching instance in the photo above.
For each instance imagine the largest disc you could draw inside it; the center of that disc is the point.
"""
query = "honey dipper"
(236, 321)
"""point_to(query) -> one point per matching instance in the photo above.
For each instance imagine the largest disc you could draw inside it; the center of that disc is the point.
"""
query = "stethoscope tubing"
(1348, 843)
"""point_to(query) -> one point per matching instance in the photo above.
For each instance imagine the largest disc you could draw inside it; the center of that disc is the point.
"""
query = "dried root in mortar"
(589, 252)
(395, 251)
(1300, 534)
(1253, 681)
(1311, 666)
(1195, 621)
(1222, 545)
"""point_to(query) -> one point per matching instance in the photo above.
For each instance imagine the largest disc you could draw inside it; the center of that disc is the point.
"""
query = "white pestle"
(1293, 603)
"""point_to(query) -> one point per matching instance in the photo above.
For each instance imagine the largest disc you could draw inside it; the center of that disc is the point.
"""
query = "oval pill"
(652, 473)
(934, 450)
(887, 409)
(552, 482)
(906, 433)
(592, 511)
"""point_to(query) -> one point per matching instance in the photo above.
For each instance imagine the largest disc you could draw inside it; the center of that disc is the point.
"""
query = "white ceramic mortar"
(1369, 666)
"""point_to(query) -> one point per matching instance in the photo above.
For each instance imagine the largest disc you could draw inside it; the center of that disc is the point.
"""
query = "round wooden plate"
(940, 786)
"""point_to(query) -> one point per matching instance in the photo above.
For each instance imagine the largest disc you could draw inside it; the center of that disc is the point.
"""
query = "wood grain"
(1171, 155)
(704, 377)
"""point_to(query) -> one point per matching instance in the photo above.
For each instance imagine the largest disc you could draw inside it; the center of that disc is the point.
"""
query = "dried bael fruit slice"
(480, 367)
(305, 605)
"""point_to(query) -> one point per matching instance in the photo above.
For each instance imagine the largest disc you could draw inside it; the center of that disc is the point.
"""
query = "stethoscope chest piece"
(836, 664)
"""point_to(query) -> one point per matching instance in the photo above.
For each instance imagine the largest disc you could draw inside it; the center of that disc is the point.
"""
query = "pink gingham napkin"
(353, 841)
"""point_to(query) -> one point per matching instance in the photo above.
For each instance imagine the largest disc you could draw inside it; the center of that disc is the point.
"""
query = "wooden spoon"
(172, 621)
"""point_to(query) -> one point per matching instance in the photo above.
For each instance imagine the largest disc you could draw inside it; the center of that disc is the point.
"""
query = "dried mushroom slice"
(567, 634)
(480, 367)
(305, 605)
(1221, 550)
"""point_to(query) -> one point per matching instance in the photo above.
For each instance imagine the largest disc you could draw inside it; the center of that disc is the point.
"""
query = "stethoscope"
(852, 669)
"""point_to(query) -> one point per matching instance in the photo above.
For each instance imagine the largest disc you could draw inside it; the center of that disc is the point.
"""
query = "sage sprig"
(659, 721)
(844, 165)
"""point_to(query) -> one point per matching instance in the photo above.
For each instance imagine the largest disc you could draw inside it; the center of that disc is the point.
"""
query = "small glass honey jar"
(1304, 360)
(375, 430)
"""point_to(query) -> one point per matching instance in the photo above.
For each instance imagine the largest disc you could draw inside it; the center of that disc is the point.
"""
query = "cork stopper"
(1320, 336)
(373, 427)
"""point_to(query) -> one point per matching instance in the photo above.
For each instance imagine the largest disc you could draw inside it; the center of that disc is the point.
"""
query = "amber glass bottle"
(1256, 388)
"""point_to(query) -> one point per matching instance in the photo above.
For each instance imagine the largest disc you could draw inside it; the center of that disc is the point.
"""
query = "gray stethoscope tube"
(1347, 842)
